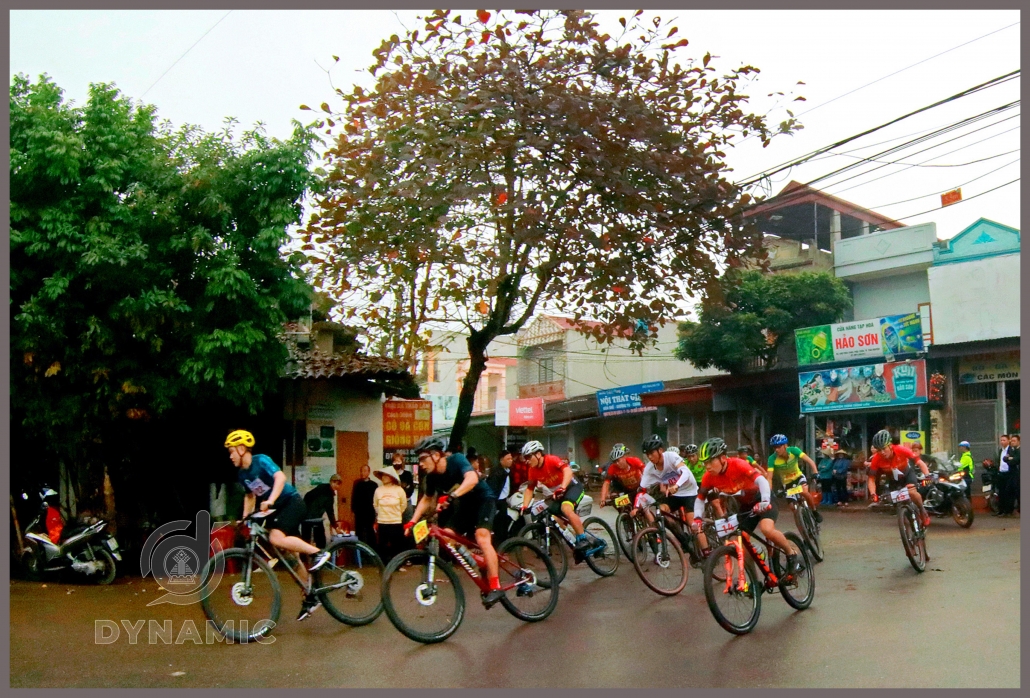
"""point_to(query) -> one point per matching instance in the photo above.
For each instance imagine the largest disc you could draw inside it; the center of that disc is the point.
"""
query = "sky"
(199, 67)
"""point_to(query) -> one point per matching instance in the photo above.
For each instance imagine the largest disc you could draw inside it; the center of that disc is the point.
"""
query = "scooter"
(944, 493)
(84, 549)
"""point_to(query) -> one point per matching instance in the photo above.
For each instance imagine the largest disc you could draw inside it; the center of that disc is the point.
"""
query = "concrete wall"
(588, 371)
(974, 301)
(886, 252)
(892, 295)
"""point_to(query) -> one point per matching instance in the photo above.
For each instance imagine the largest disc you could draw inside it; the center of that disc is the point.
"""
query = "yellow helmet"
(240, 437)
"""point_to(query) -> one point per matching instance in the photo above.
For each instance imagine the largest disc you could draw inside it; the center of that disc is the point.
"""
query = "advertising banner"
(988, 368)
(626, 400)
(860, 387)
(862, 339)
(910, 438)
(405, 422)
(528, 412)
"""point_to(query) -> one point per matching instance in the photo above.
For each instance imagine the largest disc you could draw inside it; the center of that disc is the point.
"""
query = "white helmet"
(532, 447)
(618, 451)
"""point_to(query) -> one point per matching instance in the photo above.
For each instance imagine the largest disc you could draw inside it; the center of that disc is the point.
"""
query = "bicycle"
(729, 581)
(522, 566)
(804, 519)
(910, 525)
(626, 525)
(659, 558)
(347, 585)
(550, 531)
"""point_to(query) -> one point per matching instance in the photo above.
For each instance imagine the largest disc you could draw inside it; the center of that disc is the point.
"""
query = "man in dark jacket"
(361, 504)
(320, 501)
(499, 480)
(1010, 488)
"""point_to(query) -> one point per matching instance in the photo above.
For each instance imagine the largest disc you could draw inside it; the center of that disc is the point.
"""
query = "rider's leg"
(768, 529)
(812, 502)
(568, 510)
(485, 543)
(285, 542)
(917, 499)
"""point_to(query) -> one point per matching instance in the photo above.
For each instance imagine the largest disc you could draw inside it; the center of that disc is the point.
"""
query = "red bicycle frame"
(444, 539)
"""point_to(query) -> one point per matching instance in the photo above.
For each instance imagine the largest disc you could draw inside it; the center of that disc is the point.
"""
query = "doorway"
(351, 454)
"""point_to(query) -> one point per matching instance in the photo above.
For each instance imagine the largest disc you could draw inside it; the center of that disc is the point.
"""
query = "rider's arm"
(279, 482)
(763, 488)
(685, 476)
(420, 508)
(872, 484)
(566, 477)
(922, 466)
(527, 497)
(604, 492)
(470, 481)
(248, 504)
(699, 506)
(811, 463)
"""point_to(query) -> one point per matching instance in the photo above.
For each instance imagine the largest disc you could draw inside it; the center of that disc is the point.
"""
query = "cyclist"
(784, 462)
(733, 475)
(689, 453)
(623, 473)
(892, 461)
(465, 503)
(266, 489)
(745, 453)
(676, 486)
(557, 475)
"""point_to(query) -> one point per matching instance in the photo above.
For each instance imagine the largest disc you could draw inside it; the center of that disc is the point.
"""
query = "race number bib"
(794, 491)
(622, 500)
(539, 507)
(258, 488)
(724, 527)
(420, 531)
(986, 488)
(900, 495)
(897, 473)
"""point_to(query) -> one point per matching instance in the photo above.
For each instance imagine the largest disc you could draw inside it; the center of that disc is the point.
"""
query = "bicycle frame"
(439, 539)
(259, 535)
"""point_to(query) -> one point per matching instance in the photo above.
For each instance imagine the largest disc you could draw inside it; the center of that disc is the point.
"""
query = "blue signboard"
(625, 400)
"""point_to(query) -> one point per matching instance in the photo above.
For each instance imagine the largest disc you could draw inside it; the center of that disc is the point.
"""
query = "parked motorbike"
(944, 493)
(990, 487)
(84, 548)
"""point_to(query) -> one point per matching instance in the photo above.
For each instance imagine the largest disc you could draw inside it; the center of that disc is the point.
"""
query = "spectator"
(1008, 494)
(320, 501)
(519, 470)
(826, 476)
(1003, 473)
(966, 466)
(841, 466)
(361, 504)
(499, 479)
(389, 503)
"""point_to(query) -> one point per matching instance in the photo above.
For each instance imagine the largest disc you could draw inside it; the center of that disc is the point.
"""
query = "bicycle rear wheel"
(424, 611)
(800, 590)
(603, 559)
(736, 609)
(525, 565)
(242, 606)
(552, 542)
(625, 529)
(660, 562)
(356, 572)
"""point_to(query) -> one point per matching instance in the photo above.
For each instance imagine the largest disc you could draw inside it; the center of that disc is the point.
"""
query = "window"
(546, 372)
(491, 397)
(436, 371)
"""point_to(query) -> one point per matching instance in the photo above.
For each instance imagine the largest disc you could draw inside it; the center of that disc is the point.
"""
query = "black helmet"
(744, 449)
(652, 443)
(689, 449)
(431, 443)
(881, 439)
(711, 448)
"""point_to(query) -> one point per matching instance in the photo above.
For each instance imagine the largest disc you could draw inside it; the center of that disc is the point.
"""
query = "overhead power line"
(944, 191)
(1001, 79)
(185, 52)
(975, 196)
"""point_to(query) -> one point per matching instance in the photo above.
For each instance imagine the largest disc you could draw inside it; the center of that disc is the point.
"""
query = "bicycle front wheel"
(733, 594)
(660, 562)
(625, 530)
(810, 531)
(350, 583)
(799, 590)
(550, 541)
(603, 552)
(910, 539)
(245, 601)
(528, 577)
(425, 610)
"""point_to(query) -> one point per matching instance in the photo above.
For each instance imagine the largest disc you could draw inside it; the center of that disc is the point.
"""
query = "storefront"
(987, 401)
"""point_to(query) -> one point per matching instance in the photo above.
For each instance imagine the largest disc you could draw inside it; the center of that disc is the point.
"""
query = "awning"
(678, 396)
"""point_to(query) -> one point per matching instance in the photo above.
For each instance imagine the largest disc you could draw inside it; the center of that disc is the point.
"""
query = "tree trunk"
(477, 344)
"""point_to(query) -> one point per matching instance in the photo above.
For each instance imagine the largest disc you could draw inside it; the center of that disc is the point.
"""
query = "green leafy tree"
(750, 315)
(507, 163)
(145, 272)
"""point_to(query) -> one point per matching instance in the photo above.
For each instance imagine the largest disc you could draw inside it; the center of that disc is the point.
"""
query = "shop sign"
(320, 441)
(405, 422)
(519, 413)
(910, 438)
(861, 387)
(626, 400)
(877, 338)
(988, 368)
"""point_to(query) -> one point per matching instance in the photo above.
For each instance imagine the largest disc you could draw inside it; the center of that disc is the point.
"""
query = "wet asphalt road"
(875, 622)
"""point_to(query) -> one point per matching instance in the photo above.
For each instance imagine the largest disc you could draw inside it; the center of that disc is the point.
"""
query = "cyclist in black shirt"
(465, 503)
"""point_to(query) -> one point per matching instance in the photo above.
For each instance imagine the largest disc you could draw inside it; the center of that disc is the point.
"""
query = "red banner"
(528, 412)
(405, 422)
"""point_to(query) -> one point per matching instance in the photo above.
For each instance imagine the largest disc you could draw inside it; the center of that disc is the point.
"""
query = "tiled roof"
(312, 363)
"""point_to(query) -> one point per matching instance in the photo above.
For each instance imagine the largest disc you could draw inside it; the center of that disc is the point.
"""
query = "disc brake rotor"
(425, 594)
(240, 594)
(357, 582)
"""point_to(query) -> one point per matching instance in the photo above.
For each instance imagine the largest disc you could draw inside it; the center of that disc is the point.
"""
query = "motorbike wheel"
(994, 502)
(962, 512)
(32, 563)
(109, 571)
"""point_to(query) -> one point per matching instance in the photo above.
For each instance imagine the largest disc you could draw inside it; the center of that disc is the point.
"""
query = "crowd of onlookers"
(1005, 469)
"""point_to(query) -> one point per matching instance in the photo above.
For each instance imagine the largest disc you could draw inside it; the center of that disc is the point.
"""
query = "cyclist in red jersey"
(736, 475)
(892, 461)
(623, 473)
(557, 475)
